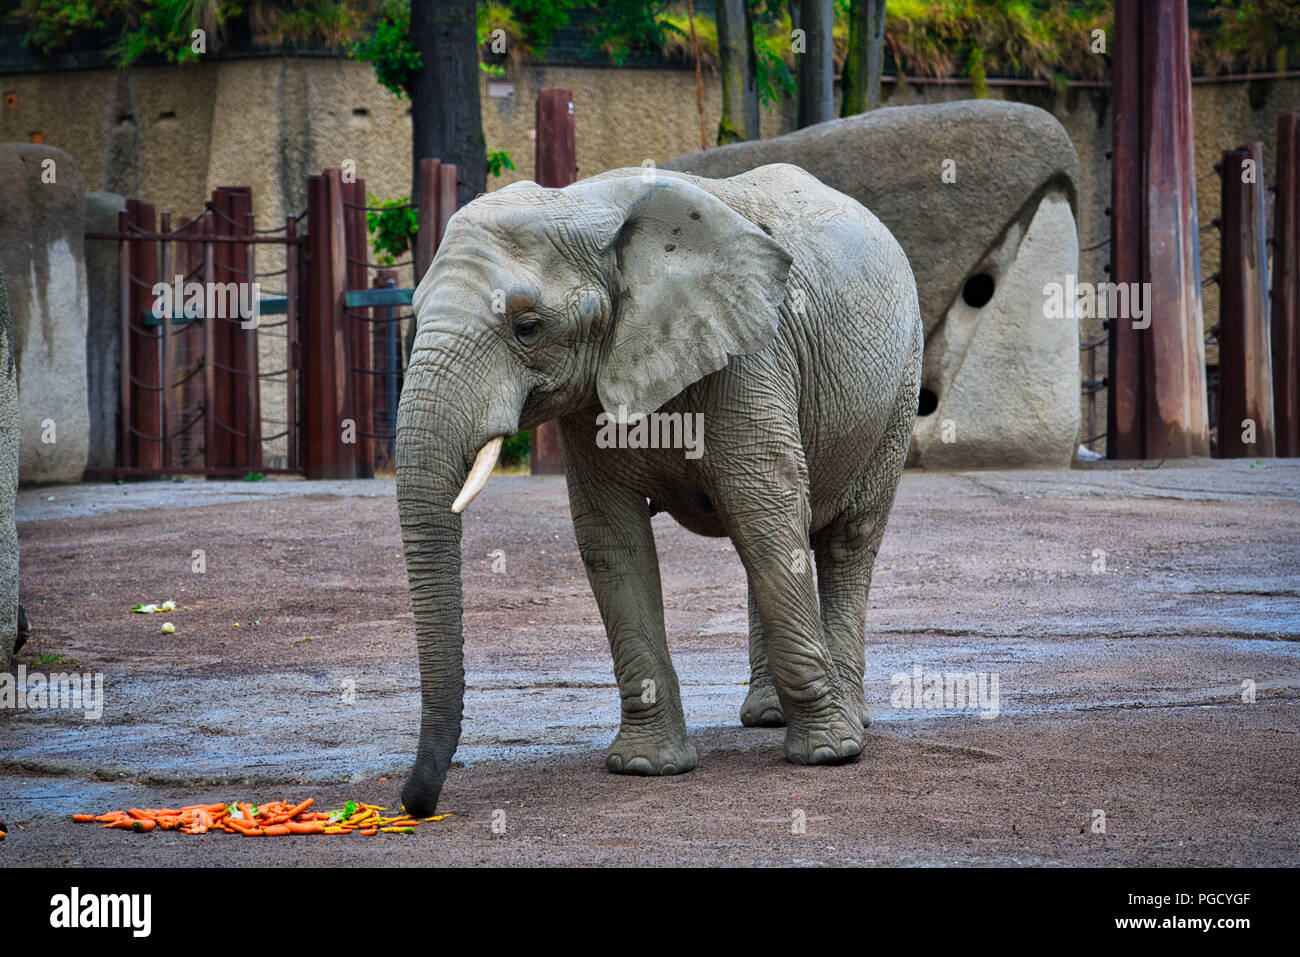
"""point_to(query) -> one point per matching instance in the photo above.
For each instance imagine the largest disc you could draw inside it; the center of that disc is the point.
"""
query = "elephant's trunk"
(436, 440)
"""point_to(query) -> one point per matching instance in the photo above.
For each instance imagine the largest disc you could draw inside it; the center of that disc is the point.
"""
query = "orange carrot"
(246, 811)
(276, 830)
(370, 831)
(298, 809)
(82, 818)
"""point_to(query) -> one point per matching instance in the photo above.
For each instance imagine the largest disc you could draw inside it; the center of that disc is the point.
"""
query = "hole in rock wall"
(927, 402)
(978, 290)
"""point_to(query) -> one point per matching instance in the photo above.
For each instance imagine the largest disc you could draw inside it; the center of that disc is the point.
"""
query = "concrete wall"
(172, 134)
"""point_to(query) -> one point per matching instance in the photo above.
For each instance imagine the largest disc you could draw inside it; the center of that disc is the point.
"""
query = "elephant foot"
(830, 738)
(648, 754)
(762, 708)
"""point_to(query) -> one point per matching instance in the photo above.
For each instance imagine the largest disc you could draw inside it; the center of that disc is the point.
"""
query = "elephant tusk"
(478, 475)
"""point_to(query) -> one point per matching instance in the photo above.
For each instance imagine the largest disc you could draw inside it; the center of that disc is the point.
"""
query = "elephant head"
(616, 292)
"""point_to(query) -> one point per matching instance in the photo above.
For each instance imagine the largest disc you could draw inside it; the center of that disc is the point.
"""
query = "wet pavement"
(1140, 607)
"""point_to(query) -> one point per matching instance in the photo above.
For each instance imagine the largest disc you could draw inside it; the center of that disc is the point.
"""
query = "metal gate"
(208, 361)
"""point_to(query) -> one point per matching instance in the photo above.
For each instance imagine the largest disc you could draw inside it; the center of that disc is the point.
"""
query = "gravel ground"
(292, 673)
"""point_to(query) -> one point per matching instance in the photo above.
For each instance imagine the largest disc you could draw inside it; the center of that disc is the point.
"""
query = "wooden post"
(447, 203)
(344, 411)
(360, 381)
(1171, 368)
(321, 418)
(125, 448)
(168, 359)
(1286, 287)
(291, 344)
(146, 404)
(248, 348)
(426, 241)
(388, 364)
(556, 166)
(210, 453)
(1174, 397)
(1245, 385)
(1124, 433)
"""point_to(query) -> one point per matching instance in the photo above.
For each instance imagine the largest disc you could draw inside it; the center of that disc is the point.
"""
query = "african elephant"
(781, 311)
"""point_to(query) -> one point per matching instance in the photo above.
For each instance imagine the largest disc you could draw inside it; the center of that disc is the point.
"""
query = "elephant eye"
(528, 329)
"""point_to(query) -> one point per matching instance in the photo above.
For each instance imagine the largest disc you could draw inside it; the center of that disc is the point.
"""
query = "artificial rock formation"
(103, 328)
(41, 230)
(8, 484)
(981, 195)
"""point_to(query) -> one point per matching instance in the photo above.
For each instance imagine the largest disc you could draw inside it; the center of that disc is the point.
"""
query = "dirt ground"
(292, 673)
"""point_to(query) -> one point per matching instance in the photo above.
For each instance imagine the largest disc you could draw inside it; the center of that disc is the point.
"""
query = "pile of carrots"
(277, 819)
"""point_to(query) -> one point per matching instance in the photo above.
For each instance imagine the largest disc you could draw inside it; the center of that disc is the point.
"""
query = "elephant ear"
(696, 284)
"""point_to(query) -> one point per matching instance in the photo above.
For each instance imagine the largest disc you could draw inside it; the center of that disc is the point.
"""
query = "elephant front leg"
(618, 549)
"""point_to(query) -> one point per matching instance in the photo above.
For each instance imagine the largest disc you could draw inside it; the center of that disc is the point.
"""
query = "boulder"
(982, 196)
(103, 328)
(41, 253)
(8, 485)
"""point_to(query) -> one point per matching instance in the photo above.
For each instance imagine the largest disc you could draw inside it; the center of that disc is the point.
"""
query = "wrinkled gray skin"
(780, 309)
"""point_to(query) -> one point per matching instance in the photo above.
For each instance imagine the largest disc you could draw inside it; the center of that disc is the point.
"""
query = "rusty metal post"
(386, 346)
(555, 167)
(249, 352)
(360, 378)
(125, 454)
(1174, 397)
(1157, 404)
(1245, 384)
(207, 227)
(320, 411)
(168, 363)
(426, 241)
(291, 345)
(344, 410)
(1286, 287)
(146, 405)
(446, 200)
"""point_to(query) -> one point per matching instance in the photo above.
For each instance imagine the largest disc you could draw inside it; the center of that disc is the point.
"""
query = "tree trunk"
(739, 119)
(445, 120)
(817, 65)
(860, 83)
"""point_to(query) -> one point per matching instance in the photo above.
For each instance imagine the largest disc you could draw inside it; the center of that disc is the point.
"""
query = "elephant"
(782, 312)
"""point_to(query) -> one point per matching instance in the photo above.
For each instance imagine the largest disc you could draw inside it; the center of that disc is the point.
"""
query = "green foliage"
(773, 73)
(975, 70)
(389, 48)
(1251, 34)
(514, 451)
(391, 228)
(621, 26)
(51, 24)
(541, 18)
(498, 160)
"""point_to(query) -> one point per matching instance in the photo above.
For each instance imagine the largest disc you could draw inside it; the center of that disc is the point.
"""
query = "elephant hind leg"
(846, 552)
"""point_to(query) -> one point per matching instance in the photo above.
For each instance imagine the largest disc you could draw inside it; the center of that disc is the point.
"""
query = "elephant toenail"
(668, 769)
(823, 754)
(850, 748)
(640, 766)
